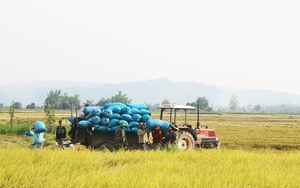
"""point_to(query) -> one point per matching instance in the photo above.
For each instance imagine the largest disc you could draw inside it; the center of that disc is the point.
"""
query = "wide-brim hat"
(140, 125)
(122, 125)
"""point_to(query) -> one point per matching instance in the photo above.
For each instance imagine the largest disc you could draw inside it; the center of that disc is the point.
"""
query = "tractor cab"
(173, 110)
(205, 137)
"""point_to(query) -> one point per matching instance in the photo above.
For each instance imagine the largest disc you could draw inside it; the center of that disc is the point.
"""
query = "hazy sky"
(233, 43)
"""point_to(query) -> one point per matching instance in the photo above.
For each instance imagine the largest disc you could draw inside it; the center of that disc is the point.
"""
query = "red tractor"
(189, 136)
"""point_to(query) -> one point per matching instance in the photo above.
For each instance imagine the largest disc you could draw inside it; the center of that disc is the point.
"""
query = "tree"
(120, 98)
(209, 109)
(12, 114)
(257, 108)
(65, 102)
(69, 102)
(58, 101)
(54, 99)
(191, 104)
(166, 101)
(18, 105)
(102, 101)
(116, 98)
(202, 102)
(30, 106)
(155, 106)
(233, 103)
(148, 104)
(50, 116)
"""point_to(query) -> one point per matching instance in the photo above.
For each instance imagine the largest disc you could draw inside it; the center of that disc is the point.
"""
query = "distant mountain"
(152, 91)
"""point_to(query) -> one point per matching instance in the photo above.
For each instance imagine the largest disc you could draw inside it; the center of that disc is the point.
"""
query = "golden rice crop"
(199, 168)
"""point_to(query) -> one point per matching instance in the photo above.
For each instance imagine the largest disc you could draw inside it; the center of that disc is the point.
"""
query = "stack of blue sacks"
(107, 117)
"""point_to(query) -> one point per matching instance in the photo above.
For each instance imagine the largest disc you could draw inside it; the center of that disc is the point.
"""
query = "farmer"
(60, 134)
(88, 136)
(142, 136)
(80, 116)
(192, 131)
(157, 137)
(171, 135)
(37, 140)
(120, 137)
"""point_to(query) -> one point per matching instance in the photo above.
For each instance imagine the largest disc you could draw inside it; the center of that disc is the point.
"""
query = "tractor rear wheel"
(185, 141)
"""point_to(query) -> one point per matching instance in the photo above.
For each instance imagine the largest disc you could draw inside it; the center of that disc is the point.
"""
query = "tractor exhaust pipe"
(198, 116)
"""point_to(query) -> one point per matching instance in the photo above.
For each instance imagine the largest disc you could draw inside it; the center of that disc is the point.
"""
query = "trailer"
(106, 140)
(189, 136)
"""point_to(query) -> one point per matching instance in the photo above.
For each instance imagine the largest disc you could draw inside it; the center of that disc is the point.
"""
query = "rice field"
(204, 168)
(258, 150)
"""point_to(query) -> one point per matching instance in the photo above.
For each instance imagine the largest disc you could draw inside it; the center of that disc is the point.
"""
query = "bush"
(19, 129)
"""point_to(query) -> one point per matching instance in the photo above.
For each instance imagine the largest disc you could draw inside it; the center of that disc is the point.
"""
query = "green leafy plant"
(50, 116)
(12, 115)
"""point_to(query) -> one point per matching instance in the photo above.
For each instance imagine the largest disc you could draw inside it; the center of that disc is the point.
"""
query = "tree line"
(58, 101)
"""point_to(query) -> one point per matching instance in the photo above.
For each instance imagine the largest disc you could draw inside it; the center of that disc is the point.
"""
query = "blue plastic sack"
(134, 129)
(94, 112)
(127, 117)
(83, 124)
(94, 120)
(71, 118)
(39, 127)
(135, 111)
(136, 117)
(133, 124)
(114, 104)
(138, 106)
(145, 118)
(87, 110)
(104, 121)
(164, 125)
(127, 129)
(114, 128)
(113, 122)
(126, 110)
(28, 133)
(145, 111)
(115, 109)
(106, 113)
(101, 128)
(116, 116)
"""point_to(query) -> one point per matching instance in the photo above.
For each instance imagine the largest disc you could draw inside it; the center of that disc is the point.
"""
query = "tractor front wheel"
(185, 141)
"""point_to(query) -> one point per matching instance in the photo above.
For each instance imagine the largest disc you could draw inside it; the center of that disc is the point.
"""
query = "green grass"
(17, 129)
